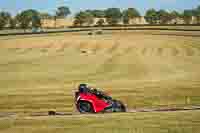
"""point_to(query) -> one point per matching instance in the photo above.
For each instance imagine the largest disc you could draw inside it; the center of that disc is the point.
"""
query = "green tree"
(63, 11)
(163, 17)
(187, 16)
(29, 18)
(126, 19)
(113, 16)
(129, 14)
(175, 14)
(5, 18)
(36, 21)
(197, 14)
(77, 22)
(100, 22)
(22, 21)
(97, 13)
(83, 17)
(45, 15)
(151, 16)
(13, 22)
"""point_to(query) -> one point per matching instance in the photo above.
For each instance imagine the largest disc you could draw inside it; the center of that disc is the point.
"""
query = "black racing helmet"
(83, 88)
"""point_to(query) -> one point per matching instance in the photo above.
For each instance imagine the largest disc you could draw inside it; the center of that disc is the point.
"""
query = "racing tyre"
(85, 107)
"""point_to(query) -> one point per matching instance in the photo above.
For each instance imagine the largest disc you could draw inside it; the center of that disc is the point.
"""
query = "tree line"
(112, 16)
(30, 18)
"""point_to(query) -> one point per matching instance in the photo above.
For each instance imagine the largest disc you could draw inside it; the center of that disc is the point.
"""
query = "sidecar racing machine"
(90, 100)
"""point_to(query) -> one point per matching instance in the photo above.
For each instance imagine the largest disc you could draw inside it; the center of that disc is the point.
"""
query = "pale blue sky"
(15, 6)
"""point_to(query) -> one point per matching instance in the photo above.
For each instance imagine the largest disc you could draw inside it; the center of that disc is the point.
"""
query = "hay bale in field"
(95, 32)
(99, 32)
(90, 33)
(51, 112)
(83, 51)
(86, 51)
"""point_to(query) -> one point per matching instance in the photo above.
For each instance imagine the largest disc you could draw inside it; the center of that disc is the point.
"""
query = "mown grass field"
(164, 122)
(40, 72)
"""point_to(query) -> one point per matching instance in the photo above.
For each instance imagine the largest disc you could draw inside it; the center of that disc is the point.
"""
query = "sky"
(15, 6)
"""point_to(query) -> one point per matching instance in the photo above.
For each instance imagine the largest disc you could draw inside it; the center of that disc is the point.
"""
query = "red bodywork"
(97, 103)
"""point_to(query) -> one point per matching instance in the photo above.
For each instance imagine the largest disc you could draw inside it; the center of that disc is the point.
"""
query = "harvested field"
(144, 70)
